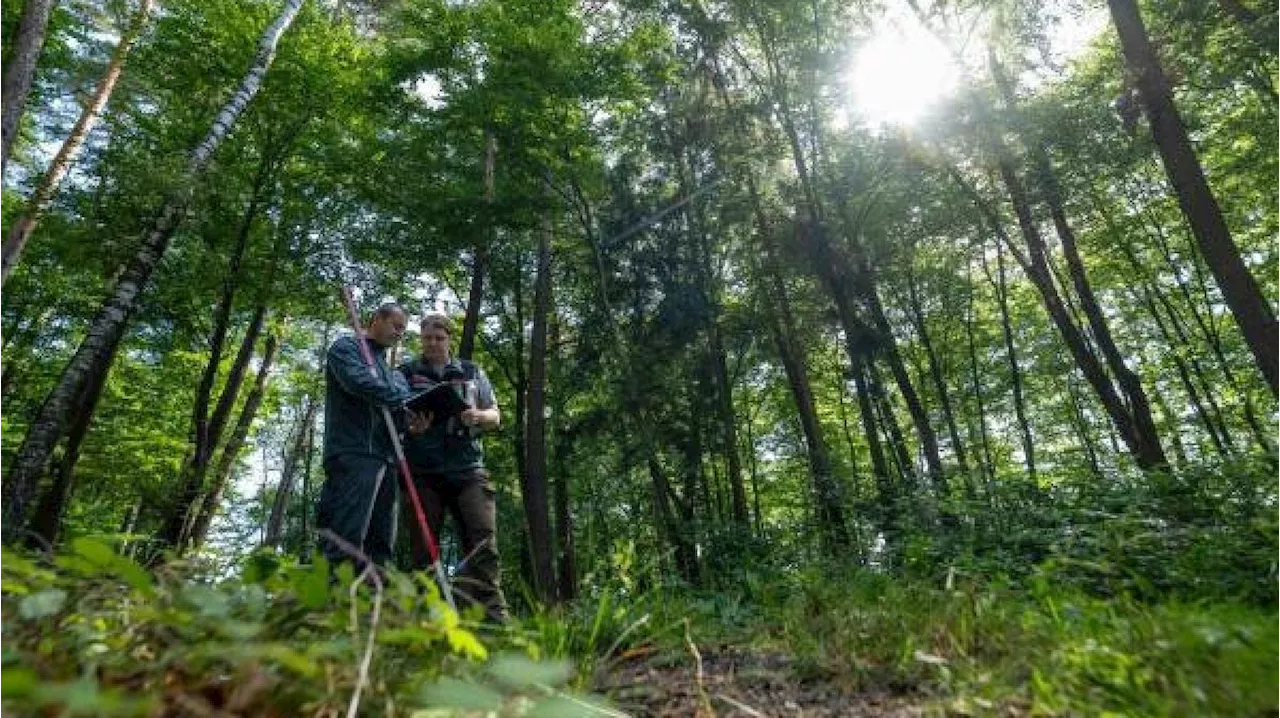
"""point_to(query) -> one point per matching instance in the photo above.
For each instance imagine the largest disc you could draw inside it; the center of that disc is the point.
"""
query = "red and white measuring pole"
(406, 477)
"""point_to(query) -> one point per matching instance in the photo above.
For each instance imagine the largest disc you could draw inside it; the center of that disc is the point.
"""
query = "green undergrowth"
(1043, 648)
(972, 648)
(92, 633)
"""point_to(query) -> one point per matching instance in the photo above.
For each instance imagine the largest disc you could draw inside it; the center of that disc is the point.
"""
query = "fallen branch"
(370, 572)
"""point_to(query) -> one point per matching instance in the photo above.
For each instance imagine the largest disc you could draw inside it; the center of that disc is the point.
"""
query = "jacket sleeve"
(353, 375)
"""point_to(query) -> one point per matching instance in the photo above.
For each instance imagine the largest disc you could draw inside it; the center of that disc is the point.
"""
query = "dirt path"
(738, 684)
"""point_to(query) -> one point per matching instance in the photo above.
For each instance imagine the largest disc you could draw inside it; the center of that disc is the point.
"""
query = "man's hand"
(483, 418)
(419, 423)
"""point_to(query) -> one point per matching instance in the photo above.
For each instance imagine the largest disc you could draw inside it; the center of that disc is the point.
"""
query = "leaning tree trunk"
(21, 230)
(19, 73)
(284, 490)
(535, 479)
(33, 455)
(935, 371)
(827, 494)
(208, 432)
(1137, 403)
(231, 452)
(1145, 448)
(886, 488)
(46, 522)
(1001, 286)
(727, 433)
(1251, 310)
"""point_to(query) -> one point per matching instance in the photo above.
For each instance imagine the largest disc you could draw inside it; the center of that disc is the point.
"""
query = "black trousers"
(357, 502)
(469, 498)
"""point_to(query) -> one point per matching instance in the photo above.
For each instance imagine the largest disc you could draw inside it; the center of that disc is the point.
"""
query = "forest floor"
(729, 682)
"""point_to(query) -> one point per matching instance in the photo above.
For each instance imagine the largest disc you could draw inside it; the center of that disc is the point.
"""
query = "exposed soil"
(738, 684)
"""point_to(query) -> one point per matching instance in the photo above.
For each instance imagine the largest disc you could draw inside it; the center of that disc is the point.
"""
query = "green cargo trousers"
(357, 502)
(469, 498)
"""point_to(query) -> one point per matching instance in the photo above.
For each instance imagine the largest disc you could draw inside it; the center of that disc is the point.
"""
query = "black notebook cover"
(441, 401)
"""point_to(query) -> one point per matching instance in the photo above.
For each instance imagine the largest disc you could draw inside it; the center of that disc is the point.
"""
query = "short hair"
(436, 320)
(386, 309)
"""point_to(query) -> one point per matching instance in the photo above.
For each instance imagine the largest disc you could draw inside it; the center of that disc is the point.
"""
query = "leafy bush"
(96, 634)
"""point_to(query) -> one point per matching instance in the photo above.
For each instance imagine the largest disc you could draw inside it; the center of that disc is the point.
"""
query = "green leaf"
(453, 693)
(291, 659)
(95, 552)
(465, 642)
(259, 567)
(313, 585)
(76, 565)
(517, 671)
(17, 682)
(42, 604)
(16, 564)
(14, 588)
(345, 573)
(138, 578)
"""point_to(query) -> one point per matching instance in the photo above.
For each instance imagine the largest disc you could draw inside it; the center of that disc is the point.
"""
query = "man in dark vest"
(448, 466)
(358, 498)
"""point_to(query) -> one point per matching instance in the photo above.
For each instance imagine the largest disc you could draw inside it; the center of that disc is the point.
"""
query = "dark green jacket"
(446, 447)
(353, 422)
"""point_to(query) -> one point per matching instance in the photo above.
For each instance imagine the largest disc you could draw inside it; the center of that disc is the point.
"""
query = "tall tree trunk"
(815, 230)
(685, 555)
(1137, 404)
(304, 519)
(1144, 447)
(565, 435)
(886, 488)
(19, 73)
(288, 472)
(566, 573)
(828, 501)
(755, 477)
(21, 230)
(727, 431)
(975, 376)
(480, 255)
(204, 435)
(231, 452)
(919, 417)
(889, 420)
(534, 488)
(47, 520)
(207, 433)
(935, 371)
(1001, 286)
(304, 533)
(33, 454)
(1252, 311)
(1084, 432)
(842, 390)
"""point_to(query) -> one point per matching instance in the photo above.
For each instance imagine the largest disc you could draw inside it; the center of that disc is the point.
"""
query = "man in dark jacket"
(448, 465)
(357, 501)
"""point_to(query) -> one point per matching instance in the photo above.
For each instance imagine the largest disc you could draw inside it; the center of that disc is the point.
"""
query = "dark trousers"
(357, 502)
(469, 499)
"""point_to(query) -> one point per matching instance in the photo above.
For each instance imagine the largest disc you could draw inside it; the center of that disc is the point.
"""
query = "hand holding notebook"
(440, 401)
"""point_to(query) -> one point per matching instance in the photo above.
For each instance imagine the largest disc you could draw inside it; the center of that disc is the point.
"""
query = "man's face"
(435, 344)
(388, 330)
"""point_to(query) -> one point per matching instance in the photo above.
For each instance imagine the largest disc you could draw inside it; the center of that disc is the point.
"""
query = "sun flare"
(899, 74)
